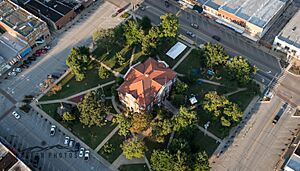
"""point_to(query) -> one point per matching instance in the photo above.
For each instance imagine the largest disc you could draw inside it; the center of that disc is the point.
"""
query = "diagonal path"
(112, 133)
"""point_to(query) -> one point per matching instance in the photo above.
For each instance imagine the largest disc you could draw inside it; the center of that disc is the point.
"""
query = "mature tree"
(184, 118)
(124, 122)
(169, 25)
(240, 69)
(140, 122)
(120, 58)
(160, 128)
(92, 110)
(67, 116)
(181, 161)
(103, 73)
(146, 23)
(179, 144)
(214, 55)
(201, 162)
(151, 40)
(222, 108)
(103, 36)
(133, 33)
(178, 99)
(77, 61)
(133, 147)
(180, 87)
(162, 161)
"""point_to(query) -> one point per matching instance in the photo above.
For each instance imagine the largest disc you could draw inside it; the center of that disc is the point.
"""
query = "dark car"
(217, 38)
(24, 66)
(167, 4)
(53, 76)
(32, 58)
(35, 161)
(77, 146)
(27, 62)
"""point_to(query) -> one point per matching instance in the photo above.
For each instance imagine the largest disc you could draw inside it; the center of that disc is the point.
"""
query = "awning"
(176, 50)
(198, 8)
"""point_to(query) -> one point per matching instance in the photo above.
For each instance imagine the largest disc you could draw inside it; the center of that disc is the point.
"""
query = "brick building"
(57, 14)
(21, 24)
(146, 84)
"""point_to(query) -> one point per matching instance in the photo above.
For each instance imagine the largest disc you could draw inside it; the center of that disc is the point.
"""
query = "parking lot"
(54, 155)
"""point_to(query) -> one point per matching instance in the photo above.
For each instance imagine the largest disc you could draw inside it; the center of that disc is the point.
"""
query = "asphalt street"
(234, 44)
(32, 130)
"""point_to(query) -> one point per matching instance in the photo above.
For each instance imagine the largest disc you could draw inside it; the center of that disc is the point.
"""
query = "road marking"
(7, 112)
(9, 97)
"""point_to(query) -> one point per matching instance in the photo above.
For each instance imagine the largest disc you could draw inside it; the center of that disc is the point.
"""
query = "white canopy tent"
(176, 50)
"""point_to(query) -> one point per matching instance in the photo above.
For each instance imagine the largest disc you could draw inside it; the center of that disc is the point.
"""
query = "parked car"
(31, 58)
(53, 76)
(142, 8)
(167, 4)
(52, 130)
(12, 73)
(71, 143)
(35, 161)
(191, 34)
(195, 25)
(66, 142)
(16, 115)
(217, 38)
(24, 66)
(81, 151)
(86, 155)
(47, 47)
(36, 55)
(77, 146)
(18, 70)
(27, 62)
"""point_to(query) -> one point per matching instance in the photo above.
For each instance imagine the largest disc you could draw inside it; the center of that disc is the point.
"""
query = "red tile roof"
(144, 80)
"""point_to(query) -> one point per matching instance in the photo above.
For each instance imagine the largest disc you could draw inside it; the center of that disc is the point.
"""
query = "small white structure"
(176, 50)
(193, 100)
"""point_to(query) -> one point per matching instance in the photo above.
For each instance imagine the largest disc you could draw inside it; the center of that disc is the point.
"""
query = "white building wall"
(286, 48)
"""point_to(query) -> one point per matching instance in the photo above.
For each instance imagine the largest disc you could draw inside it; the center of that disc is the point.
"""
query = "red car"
(41, 51)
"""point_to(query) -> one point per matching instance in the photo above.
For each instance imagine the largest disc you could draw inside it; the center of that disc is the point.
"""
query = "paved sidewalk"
(121, 160)
(56, 101)
(92, 89)
(116, 74)
(209, 133)
(210, 82)
(132, 56)
(114, 103)
(182, 58)
(107, 138)
(236, 91)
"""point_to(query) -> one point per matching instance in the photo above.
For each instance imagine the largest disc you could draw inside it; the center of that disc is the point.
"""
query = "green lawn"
(201, 142)
(92, 136)
(242, 98)
(192, 61)
(171, 62)
(134, 167)
(152, 145)
(116, 140)
(72, 87)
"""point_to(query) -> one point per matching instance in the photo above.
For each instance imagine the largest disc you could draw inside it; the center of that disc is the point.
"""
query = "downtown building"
(288, 40)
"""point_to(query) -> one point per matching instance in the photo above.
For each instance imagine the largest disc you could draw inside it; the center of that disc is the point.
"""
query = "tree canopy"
(201, 162)
(169, 25)
(140, 122)
(162, 161)
(184, 118)
(240, 69)
(222, 108)
(124, 122)
(77, 61)
(92, 110)
(133, 147)
(214, 55)
(67, 116)
(160, 128)
(134, 34)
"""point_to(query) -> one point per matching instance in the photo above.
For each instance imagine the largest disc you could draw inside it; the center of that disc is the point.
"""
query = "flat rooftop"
(9, 162)
(291, 32)
(17, 18)
(257, 12)
(10, 46)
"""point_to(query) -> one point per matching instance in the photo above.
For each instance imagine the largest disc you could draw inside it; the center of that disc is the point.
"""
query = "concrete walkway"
(116, 74)
(121, 160)
(209, 133)
(182, 58)
(210, 82)
(91, 89)
(114, 103)
(107, 138)
(56, 101)
(132, 56)
(236, 91)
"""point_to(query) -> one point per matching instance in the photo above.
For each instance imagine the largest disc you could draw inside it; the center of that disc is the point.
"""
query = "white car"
(81, 151)
(191, 34)
(66, 142)
(12, 73)
(16, 115)
(52, 130)
(18, 70)
(194, 25)
(86, 155)
(71, 142)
